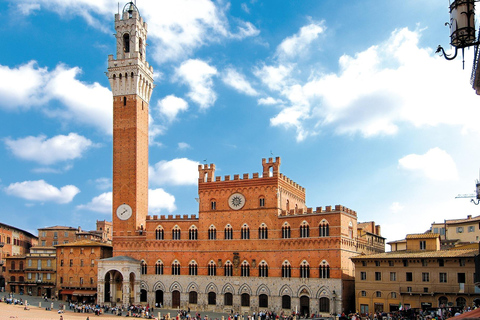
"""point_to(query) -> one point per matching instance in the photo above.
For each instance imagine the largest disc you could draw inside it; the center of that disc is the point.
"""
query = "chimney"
(469, 216)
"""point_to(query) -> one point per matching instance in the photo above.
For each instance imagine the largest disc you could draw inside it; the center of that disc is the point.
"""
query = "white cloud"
(269, 101)
(298, 43)
(30, 86)
(181, 171)
(101, 203)
(154, 130)
(171, 105)
(396, 207)
(197, 74)
(158, 200)
(41, 191)
(103, 183)
(375, 92)
(183, 146)
(63, 169)
(237, 81)
(28, 8)
(436, 165)
(49, 151)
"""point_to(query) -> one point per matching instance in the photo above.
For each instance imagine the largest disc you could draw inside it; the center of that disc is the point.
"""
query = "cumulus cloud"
(154, 130)
(375, 91)
(436, 164)
(181, 171)
(49, 151)
(299, 43)
(42, 191)
(171, 105)
(103, 183)
(176, 28)
(237, 81)
(197, 74)
(396, 207)
(101, 203)
(269, 101)
(159, 200)
(29, 86)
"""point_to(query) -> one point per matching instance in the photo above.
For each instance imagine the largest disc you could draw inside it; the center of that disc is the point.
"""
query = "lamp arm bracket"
(440, 49)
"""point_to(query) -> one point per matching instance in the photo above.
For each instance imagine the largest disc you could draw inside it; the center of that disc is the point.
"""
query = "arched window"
(288, 206)
(13, 265)
(323, 229)
(228, 268)
(263, 269)
(159, 233)
(228, 299)
(192, 297)
(12, 279)
(21, 279)
(176, 233)
(126, 43)
(213, 205)
(193, 233)
(245, 269)
(228, 232)
(324, 271)
(304, 270)
(461, 302)
(20, 267)
(286, 302)
(140, 47)
(192, 268)
(144, 267)
(442, 302)
(350, 230)
(245, 300)
(285, 231)
(175, 268)
(263, 231)
(212, 298)
(159, 267)
(263, 301)
(324, 305)
(304, 230)
(261, 201)
(212, 233)
(286, 269)
(245, 232)
(212, 268)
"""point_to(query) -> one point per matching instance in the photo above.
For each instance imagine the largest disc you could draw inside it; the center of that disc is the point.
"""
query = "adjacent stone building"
(416, 274)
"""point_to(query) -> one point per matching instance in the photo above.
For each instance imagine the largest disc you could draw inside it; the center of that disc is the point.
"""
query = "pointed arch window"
(159, 233)
(192, 268)
(212, 268)
(285, 231)
(263, 231)
(176, 268)
(228, 232)
(228, 268)
(176, 233)
(304, 230)
(263, 269)
(144, 267)
(324, 271)
(193, 233)
(245, 269)
(159, 267)
(212, 233)
(126, 43)
(286, 270)
(245, 232)
(304, 270)
(324, 229)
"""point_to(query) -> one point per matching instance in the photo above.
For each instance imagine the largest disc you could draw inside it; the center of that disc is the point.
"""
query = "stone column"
(125, 292)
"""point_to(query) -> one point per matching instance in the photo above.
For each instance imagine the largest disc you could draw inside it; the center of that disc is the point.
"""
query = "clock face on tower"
(124, 212)
(236, 201)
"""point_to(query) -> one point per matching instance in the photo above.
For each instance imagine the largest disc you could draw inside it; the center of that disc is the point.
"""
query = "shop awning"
(66, 291)
(84, 292)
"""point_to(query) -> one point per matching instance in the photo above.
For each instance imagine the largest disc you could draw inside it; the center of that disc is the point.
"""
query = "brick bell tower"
(131, 80)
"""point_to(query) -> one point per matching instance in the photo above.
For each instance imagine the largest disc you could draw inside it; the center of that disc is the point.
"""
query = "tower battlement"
(318, 210)
(171, 217)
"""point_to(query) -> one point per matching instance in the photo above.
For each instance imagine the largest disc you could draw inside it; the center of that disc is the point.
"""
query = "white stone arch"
(285, 290)
(193, 227)
(304, 223)
(192, 286)
(228, 288)
(211, 287)
(286, 224)
(304, 291)
(263, 289)
(175, 286)
(245, 288)
(322, 292)
(143, 285)
(159, 286)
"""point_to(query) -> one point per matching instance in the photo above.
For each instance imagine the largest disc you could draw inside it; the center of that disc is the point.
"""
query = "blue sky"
(349, 94)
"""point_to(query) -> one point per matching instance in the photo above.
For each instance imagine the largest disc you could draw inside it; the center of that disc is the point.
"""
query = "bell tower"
(131, 81)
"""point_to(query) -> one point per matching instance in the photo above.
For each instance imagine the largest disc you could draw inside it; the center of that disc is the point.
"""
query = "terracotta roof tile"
(452, 253)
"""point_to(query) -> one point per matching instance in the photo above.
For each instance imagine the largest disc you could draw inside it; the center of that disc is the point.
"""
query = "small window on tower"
(124, 101)
(126, 43)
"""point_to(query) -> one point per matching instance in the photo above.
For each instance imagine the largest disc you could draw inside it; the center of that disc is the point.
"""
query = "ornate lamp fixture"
(462, 27)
